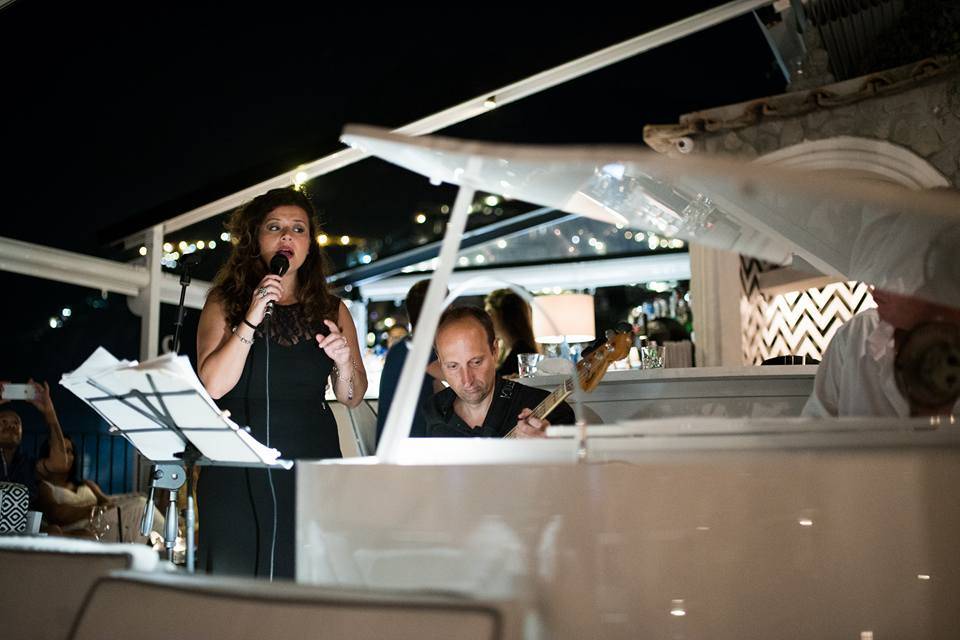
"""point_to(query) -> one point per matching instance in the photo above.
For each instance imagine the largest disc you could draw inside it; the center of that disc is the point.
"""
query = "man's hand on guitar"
(529, 426)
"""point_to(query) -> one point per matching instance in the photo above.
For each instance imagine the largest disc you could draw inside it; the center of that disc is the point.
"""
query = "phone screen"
(18, 392)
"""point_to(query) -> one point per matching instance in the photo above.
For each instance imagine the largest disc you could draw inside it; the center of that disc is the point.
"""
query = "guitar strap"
(504, 409)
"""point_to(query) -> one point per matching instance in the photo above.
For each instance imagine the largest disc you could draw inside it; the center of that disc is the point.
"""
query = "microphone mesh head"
(279, 264)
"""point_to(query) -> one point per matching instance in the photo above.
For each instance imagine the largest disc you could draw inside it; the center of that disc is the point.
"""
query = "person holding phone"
(17, 465)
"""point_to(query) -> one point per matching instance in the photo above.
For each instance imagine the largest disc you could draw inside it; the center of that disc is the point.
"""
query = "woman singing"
(309, 339)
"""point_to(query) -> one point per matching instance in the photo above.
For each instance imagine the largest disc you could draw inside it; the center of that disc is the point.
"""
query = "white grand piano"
(674, 527)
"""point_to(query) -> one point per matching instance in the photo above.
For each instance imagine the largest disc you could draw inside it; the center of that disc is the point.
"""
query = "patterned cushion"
(14, 501)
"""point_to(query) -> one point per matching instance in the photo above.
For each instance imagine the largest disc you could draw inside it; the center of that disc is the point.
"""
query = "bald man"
(479, 403)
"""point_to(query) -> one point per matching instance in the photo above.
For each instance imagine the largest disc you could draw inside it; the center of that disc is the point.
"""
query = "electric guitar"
(590, 370)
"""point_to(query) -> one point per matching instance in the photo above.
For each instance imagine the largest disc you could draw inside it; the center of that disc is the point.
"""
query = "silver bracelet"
(242, 339)
(349, 380)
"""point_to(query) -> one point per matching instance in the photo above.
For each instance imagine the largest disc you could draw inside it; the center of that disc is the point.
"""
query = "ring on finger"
(262, 292)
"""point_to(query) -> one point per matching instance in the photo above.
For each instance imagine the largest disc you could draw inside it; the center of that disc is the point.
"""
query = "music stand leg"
(170, 537)
(191, 519)
(146, 520)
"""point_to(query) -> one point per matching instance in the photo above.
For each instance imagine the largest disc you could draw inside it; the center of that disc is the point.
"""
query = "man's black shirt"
(509, 399)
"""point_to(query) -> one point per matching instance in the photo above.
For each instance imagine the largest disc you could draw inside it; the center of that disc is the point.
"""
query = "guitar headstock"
(593, 365)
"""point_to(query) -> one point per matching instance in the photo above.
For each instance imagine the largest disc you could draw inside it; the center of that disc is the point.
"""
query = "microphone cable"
(273, 492)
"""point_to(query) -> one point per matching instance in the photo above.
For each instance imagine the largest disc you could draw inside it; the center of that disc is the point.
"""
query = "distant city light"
(501, 244)
(167, 247)
(420, 218)
(143, 251)
(492, 201)
(322, 239)
(66, 312)
(201, 244)
(225, 236)
(344, 239)
(212, 244)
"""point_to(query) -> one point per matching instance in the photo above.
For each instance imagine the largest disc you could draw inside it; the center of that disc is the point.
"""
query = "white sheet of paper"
(187, 403)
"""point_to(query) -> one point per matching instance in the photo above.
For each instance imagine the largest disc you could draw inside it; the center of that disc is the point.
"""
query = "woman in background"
(514, 328)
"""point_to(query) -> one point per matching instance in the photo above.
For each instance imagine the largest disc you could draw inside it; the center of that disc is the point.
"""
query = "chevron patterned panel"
(797, 323)
(14, 502)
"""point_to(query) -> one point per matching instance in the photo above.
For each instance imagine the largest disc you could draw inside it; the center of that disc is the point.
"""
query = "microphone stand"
(181, 309)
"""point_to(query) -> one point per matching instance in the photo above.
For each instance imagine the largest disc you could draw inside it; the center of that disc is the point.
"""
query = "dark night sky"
(112, 118)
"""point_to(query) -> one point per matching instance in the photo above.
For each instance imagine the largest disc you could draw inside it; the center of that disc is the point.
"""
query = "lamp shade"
(568, 315)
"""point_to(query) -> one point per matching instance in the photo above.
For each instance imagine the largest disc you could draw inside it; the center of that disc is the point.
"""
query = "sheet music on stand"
(161, 407)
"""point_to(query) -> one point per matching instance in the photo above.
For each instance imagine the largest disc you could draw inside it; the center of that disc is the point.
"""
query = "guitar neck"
(549, 403)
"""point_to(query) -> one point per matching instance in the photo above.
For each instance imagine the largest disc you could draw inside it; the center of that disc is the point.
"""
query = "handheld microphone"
(279, 265)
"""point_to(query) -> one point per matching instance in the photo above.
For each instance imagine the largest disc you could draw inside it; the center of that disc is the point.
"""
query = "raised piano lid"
(845, 225)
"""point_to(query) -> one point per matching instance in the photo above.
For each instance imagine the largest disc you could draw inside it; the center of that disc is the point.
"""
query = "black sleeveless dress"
(235, 507)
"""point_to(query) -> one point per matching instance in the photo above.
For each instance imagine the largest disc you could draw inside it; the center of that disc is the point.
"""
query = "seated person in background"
(16, 464)
(661, 330)
(393, 366)
(513, 326)
(479, 402)
(65, 499)
(856, 376)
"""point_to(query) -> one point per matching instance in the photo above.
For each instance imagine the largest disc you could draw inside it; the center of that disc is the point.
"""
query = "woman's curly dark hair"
(235, 281)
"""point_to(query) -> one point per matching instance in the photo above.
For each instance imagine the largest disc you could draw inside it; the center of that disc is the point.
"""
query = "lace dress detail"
(289, 325)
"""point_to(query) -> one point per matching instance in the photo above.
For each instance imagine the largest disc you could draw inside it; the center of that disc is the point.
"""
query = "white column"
(715, 299)
(397, 426)
(150, 296)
